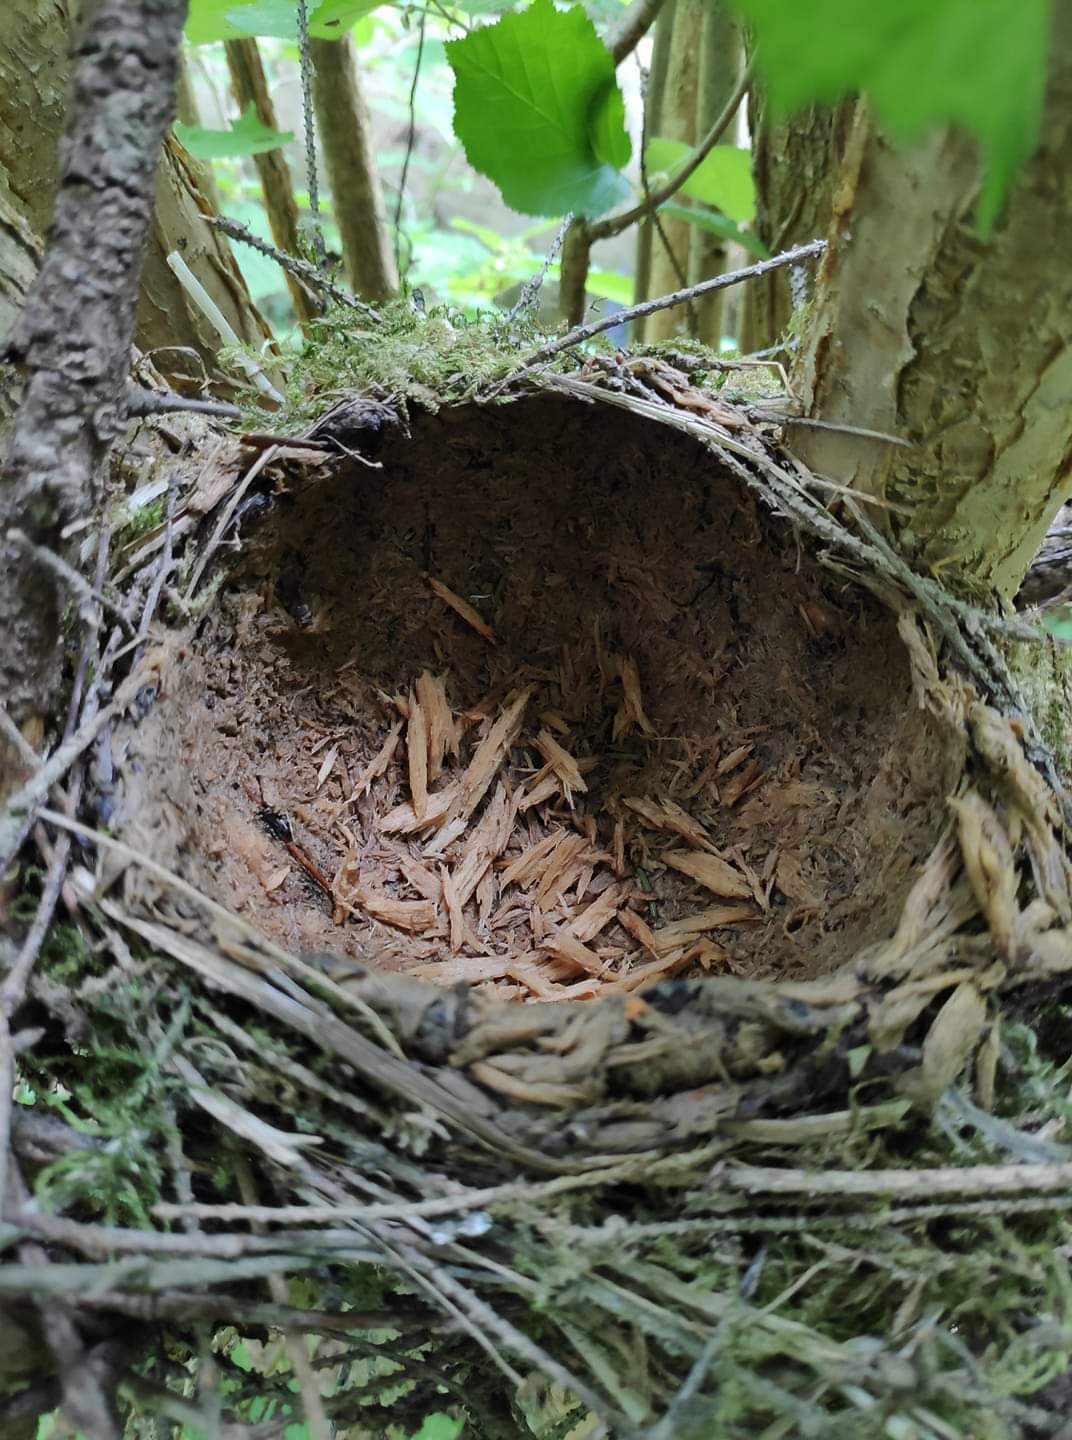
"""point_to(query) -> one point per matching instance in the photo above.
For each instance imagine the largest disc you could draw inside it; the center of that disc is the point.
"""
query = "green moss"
(427, 359)
(131, 524)
(1045, 674)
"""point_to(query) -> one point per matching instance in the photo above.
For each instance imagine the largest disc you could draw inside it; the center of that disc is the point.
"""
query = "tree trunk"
(961, 346)
(677, 121)
(795, 166)
(168, 321)
(654, 91)
(34, 70)
(720, 61)
(250, 86)
(356, 192)
(74, 336)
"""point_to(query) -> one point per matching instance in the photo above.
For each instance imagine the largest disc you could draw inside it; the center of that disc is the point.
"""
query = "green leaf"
(438, 1427)
(606, 128)
(332, 19)
(210, 20)
(537, 108)
(610, 285)
(207, 21)
(247, 136)
(717, 224)
(921, 63)
(277, 19)
(723, 178)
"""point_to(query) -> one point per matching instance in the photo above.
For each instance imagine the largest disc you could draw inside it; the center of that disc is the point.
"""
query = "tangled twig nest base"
(559, 705)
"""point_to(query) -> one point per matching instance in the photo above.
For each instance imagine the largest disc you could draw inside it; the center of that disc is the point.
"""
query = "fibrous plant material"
(687, 742)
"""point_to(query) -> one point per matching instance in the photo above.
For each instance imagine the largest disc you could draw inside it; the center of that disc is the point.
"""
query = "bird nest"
(561, 851)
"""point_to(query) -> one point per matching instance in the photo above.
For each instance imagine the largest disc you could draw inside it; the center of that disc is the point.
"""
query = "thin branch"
(986, 1180)
(310, 132)
(78, 585)
(250, 86)
(531, 288)
(16, 739)
(264, 459)
(312, 1401)
(17, 818)
(307, 274)
(239, 1310)
(140, 403)
(615, 224)
(582, 333)
(631, 28)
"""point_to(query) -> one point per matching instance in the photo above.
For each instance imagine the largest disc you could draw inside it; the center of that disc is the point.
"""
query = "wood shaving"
(463, 608)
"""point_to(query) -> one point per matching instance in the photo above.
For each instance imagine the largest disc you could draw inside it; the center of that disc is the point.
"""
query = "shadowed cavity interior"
(694, 749)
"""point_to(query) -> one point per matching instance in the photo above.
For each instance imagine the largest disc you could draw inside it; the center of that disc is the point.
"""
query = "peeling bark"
(34, 71)
(33, 84)
(20, 255)
(167, 319)
(74, 336)
(34, 75)
(959, 345)
(795, 166)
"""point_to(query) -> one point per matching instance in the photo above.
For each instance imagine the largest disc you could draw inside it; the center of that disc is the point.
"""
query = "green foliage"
(723, 179)
(705, 218)
(976, 63)
(426, 359)
(210, 20)
(438, 1427)
(333, 18)
(537, 108)
(247, 136)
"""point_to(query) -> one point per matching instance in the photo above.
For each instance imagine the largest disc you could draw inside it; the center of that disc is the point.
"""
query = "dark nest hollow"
(712, 760)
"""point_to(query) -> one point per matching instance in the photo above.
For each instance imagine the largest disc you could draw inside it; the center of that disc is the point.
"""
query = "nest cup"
(550, 704)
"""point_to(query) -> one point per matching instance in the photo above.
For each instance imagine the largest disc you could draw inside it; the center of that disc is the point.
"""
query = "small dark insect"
(277, 824)
(279, 827)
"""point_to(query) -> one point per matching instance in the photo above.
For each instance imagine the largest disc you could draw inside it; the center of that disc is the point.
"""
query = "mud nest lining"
(548, 704)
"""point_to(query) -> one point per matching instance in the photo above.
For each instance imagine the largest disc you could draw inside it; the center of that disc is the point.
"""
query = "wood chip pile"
(501, 863)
